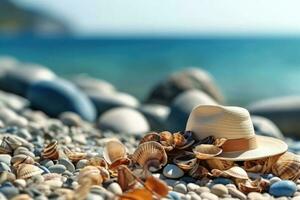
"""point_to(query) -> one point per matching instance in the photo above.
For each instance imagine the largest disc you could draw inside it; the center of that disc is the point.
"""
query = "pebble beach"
(57, 127)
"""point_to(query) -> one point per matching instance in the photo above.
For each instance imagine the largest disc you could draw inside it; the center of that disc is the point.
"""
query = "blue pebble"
(45, 170)
(283, 188)
(267, 176)
(9, 191)
(223, 181)
(57, 96)
(173, 196)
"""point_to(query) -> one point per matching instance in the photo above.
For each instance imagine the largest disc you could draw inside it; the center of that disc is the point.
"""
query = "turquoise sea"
(246, 69)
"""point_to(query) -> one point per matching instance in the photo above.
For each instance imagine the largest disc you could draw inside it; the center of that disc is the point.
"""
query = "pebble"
(219, 190)
(181, 188)
(274, 180)
(192, 187)
(5, 158)
(172, 171)
(202, 189)
(9, 191)
(208, 196)
(68, 164)
(175, 195)
(255, 196)
(81, 164)
(115, 188)
(194, 196)
(223, 181)
(283, 188)
(58, 168)
(236, 193)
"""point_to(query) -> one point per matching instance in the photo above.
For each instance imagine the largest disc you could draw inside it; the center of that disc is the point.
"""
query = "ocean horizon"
(245, 69)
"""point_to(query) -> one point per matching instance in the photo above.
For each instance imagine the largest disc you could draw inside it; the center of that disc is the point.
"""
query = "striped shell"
(51, 151)
(113, 151)
(5, 148)
(166, 140)
(21, 159)
(198, 171)
(25, 171)
(287, 166)
(150, 154)
(74, 156)
(125, 178)
(153, 136)
(233, 172)
(219, 164)
(185, 160)
(206, 151)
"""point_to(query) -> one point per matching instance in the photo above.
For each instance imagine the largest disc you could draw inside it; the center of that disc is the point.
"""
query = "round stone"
(202, 189)
(172, 171)
(5, 158)
(68, 164)
(192, 187)
(9, 191)
(194, 196)
(254, 196)
(70, 119)
(283, 188)
(236, 193)
(81, 164)
(64, 97)
(208, 196)
(182, 106)
(123, 120)
(58, 168)
(266, 127)
(181, 188)
(115, 188)
(219, 190)
(274, 180)
(223, 181)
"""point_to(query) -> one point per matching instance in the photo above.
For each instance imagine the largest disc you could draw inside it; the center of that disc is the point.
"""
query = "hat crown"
(221, 122)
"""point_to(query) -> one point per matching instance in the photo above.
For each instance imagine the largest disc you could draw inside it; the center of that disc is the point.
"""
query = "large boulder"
(18, 79)
(283, 111)
(123, 120)
(182, 106)
(176, 83)
(266, 127)
(57, 96)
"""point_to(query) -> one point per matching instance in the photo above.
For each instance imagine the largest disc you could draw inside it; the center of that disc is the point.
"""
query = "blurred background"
(251, 48)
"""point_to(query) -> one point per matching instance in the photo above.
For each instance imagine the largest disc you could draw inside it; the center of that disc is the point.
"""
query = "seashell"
(287, 167)
(233, 172)
(25, 171)
(219, 164)
(153, 136)
(5, 148)
(219, 142)
(150, 155)
(7, 176)
(125, 178)
(166, 140)
(248, 186)
(74, 156)
(65, 193)
(90, 175)
(51, 151)
(261, 165)
(22, 197)
(113, 151)
(185, 160)
(98, 162)
(52, 176)
(206, 151)
(198, 171)
(21, 159)
(183, 140)
(14, 141)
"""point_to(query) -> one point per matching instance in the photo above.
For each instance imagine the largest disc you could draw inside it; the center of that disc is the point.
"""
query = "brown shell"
(166, 140)
(233, 172)
(150, 154)
(5, 148)
(90, 175)
(25, 171)
(247, 186)
(261, 165)
(287, 166)
(183, 140)
(198, 171)
(98, 162)
(185, 160)
(21, 158)
(219, 164)
(125, 178)
(51, 151)
(74, 156)
(206, 151)
(113, 151)
(153, 136)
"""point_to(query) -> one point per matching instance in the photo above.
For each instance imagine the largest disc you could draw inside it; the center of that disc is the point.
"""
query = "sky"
(174, 17)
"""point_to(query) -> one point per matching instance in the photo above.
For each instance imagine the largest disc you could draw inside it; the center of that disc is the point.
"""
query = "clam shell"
(91, 175)
(206, 151)
(153, 136)
(150, 154)
(98, 162)
(74, 156)
(125, 178)
(183, 140)
(219, 164)
(233, 172)
(21, 158)
(166, 140)
(198, 171)
(25, 171)
(51, 151)
(185, 160)
(287, 166)
(247, 186)
(113, 151)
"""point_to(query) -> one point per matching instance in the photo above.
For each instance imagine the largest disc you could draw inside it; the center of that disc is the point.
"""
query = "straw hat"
(233, 123)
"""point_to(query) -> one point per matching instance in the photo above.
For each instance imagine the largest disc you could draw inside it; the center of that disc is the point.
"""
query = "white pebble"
(172, 171)
(180, 188)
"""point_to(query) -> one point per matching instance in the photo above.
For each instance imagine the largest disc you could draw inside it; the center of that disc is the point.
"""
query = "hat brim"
(266, 147)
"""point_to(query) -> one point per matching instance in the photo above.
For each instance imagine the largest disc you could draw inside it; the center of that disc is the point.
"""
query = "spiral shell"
(113, 151)
(150, 154)
(25, 171)
(185, 160)
(219, 164)
(51, 151)
(206, 151)
(153, 136)
(233, 172)
(287, 166)
(21, 159)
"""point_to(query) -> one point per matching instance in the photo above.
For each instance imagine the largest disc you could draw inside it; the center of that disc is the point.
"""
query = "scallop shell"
(21, 159)
(153, 136)
(206, 151)
(287, 166)
(198, 171)
(74, 156)
(166, 140)
(185, 160)
(219, 164)
(51, 151)
(113, 151)
(25, 171)
(183, 140)
(150, 154)
(234, 172)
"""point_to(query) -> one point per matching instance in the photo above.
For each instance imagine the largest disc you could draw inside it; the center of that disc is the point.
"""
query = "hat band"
(242, 144)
